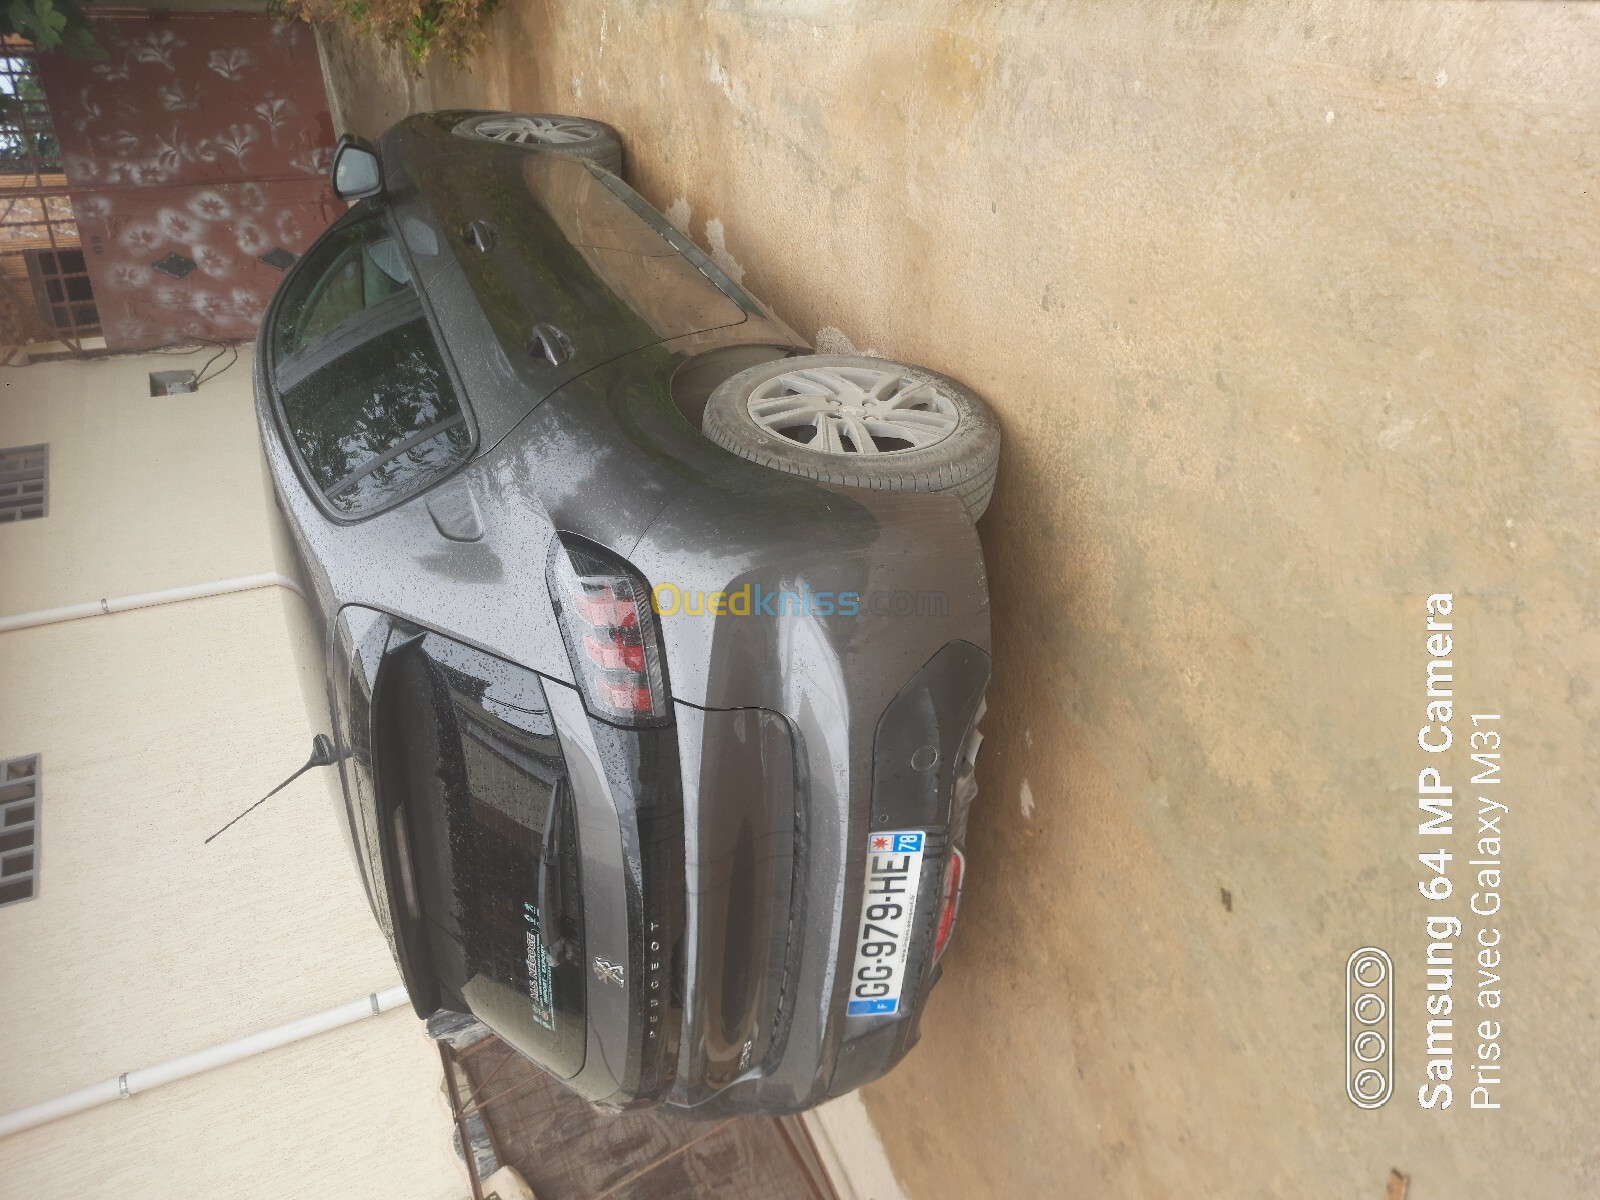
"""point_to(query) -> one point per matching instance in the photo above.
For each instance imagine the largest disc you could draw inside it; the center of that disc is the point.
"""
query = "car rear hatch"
(488, 853)
(521, 885)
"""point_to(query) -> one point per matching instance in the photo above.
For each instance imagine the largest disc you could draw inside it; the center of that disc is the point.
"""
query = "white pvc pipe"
(145, 1078)
(97, 608)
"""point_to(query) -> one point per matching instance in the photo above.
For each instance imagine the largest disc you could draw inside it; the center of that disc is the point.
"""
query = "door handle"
(479, 235)
(552, 344)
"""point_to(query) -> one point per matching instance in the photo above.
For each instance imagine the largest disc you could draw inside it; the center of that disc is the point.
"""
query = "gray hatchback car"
(655, 643)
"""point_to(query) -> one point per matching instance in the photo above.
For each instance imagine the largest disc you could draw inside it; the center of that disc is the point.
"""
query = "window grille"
(62, 293)
(19, 829)
(24, 483)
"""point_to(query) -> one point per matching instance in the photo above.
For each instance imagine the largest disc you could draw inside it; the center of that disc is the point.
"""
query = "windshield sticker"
(539, 986)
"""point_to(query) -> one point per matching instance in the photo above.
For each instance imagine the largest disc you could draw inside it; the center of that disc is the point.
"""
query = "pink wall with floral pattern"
(197, 157)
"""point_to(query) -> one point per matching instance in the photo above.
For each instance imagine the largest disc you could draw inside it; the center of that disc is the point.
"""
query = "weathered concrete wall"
(1289, 312)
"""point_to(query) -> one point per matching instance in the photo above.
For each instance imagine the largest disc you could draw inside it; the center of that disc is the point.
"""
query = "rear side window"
(358, 267)
(381, 420)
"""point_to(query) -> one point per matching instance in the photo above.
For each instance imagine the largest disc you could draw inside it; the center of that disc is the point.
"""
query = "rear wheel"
(865, 422)
(574, 137)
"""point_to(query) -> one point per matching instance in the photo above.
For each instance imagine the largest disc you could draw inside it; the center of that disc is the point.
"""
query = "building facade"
(127, 940)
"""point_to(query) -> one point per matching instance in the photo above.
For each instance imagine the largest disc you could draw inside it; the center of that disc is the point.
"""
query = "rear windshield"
(379, 421)
(495, 845)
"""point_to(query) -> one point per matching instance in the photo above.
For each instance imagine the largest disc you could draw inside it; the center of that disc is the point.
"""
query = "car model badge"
(608, 972)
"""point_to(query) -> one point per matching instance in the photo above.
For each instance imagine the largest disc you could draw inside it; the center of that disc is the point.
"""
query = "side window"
(381, 420)
(358, 267)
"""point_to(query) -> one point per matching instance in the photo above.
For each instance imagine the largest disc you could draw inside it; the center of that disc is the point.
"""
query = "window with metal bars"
(19, 829)
(37, 224)
(61, 291)
(24, 483)
(27, 135)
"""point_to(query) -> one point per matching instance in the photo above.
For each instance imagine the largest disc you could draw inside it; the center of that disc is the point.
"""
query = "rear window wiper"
(552, 896)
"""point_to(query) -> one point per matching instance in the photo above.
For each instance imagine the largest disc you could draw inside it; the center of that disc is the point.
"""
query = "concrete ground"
(1290, 315)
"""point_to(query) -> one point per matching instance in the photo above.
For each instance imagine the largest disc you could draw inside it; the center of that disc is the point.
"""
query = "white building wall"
(156, 727)
(145, 492)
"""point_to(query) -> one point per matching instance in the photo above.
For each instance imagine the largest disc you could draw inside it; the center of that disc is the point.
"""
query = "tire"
(549, 133)
(957, 446)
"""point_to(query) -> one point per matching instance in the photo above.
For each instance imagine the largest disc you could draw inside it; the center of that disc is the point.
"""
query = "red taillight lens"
(625, 697)
(602, 608)
(616, 654)
(952, 901)
(610, 633)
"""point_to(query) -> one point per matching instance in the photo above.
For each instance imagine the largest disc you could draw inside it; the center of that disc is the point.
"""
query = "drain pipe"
(142, 1080)
(195, 591)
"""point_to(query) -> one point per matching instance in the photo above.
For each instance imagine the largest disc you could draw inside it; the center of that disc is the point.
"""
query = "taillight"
(611, 635)
(951, 902)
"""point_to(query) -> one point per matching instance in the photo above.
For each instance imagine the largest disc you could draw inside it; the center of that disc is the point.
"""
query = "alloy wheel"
(853, 410)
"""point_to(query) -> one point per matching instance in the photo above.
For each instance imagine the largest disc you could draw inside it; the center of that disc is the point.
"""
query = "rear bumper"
(778, 810)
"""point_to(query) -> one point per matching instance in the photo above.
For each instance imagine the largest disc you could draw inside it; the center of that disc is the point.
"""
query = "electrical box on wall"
(172, 383)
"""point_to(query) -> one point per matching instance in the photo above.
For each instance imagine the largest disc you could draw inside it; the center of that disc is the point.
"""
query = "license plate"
(894, 873)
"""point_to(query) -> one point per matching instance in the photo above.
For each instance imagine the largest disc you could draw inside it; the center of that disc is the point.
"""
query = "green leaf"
(38, 21)
(51, 24)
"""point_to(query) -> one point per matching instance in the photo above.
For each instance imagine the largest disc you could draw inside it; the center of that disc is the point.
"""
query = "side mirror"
(356, 169)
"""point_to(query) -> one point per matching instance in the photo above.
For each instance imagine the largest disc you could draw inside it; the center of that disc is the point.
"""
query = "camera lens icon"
(1369, 1027)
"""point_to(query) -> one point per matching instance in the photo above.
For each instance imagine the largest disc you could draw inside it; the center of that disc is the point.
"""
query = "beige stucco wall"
(158, 492)
(1289, 313)
(157, 726)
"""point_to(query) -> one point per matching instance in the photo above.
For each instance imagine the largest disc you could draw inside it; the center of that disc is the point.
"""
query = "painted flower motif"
(210, 206)
(236, 141)
(114, 71)
(208, 306)
(127, 276)
(231, 64)
(123, 143)
(169, 152)
(178, 226)
(157, 49)
(245, 303)
(142, 237)
(175, 97)
(89, 110)
(251, 198)
(252, 238)
(211, 261)
(140, 174)
(127, 329)
(314, 161)
(94, 208)
(80, 167)
(274, 113)
(289, 229)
